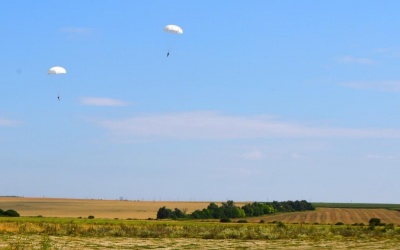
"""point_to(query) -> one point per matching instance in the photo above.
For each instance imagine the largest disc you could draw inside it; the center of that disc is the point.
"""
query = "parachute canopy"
(175, 29)
(57, 70)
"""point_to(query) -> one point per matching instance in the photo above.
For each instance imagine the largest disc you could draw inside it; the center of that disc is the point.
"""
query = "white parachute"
(57, 70)
(174, 29)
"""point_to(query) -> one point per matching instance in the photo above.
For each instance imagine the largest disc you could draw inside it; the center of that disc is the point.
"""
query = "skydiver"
(168, 54)
(58, 97)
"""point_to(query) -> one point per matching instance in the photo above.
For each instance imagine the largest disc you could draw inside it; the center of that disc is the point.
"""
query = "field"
(49, 207)
(334, 215)
(357, 205)
(111, 209)
(63, 224)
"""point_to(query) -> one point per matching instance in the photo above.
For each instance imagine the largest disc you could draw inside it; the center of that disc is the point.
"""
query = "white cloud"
(76, 30)
(211, 125)
(101, 101)
(253, 155)
(296, 156)
(389, 86)
(380, 157)
(7, 122)
(356, 60)
(393, 52)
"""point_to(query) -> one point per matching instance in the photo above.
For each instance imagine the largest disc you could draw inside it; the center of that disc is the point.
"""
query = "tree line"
(228, 210)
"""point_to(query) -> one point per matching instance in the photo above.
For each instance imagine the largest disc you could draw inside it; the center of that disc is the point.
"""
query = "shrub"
(225, 220)
(91, 217)
(164, 213)
(280, 224)
(339, 223)
(10, 213)
(262, 221)
(374, 222)
(389, 226)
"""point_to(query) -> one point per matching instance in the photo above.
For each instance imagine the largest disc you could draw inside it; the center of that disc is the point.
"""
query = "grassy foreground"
(57, 233)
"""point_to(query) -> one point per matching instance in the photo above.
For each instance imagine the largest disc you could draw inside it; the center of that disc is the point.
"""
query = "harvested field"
(334, 215)
(108, 209)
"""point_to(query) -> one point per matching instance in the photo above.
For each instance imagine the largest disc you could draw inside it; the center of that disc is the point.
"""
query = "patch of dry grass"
(56, 242)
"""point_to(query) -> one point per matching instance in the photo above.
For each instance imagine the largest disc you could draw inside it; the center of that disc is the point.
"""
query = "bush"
(225, 220)
(90, 217)
(339, 223)
(10, 213)
(389, 226)
(374, 221)
(164, 213)
(280, 224)
(262, 221)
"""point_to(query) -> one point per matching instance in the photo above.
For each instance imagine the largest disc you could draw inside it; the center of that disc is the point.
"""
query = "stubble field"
(107, 209)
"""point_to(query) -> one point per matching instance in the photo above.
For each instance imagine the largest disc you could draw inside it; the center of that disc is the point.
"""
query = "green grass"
(185, 229)
(356, 205)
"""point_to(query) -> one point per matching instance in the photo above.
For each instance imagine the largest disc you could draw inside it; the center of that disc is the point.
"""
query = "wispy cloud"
(388, 86)
(76, 30)
(7, 122)
(212, 125)
(393, 52)
(356, 60)
(102, 101)
(253, 155)
(380, 157)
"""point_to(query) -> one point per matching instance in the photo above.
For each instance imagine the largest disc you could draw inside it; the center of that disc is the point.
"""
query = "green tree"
(164, 213)
(215, 210)
(177, 214)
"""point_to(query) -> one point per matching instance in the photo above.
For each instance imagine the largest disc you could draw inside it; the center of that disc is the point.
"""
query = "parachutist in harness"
(168, 54)
(58, 97)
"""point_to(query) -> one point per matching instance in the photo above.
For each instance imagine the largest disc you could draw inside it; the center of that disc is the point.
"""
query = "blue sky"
(258, 100)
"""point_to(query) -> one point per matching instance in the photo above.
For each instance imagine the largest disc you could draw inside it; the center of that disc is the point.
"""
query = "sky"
(257, 100)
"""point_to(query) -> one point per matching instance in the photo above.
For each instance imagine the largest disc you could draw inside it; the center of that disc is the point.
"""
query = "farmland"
(335, 215)
(54, 207)
(112, 209)
(63, 224)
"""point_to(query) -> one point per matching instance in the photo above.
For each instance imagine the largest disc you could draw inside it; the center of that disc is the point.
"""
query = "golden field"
(110, 209)
(335, 215)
